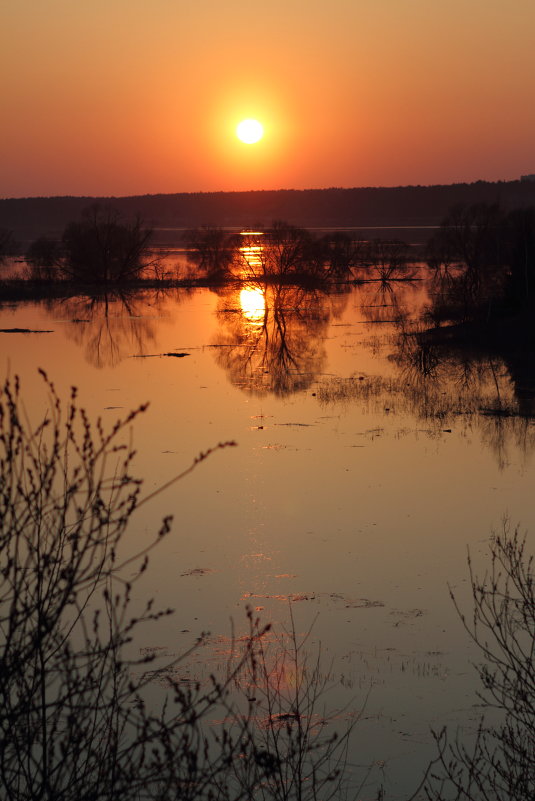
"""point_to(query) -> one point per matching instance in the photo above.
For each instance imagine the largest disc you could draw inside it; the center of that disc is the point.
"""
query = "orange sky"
(118, 97)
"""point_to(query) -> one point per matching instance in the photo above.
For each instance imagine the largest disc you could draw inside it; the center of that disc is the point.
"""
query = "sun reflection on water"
(253, 304)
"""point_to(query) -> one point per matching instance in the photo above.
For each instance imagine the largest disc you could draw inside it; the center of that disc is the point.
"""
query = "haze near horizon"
(128, 98)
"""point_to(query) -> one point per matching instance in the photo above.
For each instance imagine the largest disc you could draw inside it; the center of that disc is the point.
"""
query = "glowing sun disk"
(249, 131)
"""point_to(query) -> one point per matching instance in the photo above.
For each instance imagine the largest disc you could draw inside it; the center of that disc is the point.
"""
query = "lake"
(367, 464)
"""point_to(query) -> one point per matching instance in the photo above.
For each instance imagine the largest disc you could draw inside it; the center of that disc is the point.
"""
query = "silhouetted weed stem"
(499, 761)
(198, 459)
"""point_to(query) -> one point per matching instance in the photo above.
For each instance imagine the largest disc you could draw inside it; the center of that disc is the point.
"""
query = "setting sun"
(249, 131)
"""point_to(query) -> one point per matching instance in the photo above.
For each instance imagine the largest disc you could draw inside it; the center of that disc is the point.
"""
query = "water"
(365, 468)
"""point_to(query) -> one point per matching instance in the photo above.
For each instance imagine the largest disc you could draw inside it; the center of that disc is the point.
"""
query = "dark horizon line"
(262, 191)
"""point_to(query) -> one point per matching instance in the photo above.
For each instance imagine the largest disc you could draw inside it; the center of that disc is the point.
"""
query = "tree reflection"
(385, 302)
(442, 386)
(271, 336)
(109, 327)
(451, 384)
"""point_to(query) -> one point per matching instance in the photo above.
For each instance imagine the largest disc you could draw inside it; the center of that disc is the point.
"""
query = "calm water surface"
(366, 466)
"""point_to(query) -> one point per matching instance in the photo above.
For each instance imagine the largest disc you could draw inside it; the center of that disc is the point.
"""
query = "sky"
(126, 97)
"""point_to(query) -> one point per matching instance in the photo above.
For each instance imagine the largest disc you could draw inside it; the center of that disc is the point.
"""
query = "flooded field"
(367, 463)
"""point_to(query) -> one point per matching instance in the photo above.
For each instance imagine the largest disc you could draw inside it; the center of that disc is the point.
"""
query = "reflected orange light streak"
(252, 255)
(252, 250)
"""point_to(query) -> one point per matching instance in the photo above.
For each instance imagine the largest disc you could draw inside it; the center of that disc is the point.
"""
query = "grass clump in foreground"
(74, 720)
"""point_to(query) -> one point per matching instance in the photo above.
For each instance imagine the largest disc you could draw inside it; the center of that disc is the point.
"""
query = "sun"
(249, 131)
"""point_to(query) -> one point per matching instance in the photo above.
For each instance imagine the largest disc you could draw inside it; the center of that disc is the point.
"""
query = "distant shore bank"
(411, 207)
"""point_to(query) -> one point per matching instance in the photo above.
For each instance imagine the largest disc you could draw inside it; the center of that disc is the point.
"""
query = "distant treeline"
(413, 206)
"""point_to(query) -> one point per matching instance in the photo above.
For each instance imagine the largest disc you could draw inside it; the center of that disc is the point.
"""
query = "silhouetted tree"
(212, 249)
(471, 240)
(340, 254)
(44, 252)
(520, 256)
(102, 249)
(283, 253)
(8, 246)
(286, 249)
(44, 259)
(470, 235)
